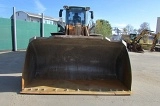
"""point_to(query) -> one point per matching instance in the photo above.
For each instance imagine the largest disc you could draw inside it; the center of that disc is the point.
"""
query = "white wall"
(33, 19)
(21, 16)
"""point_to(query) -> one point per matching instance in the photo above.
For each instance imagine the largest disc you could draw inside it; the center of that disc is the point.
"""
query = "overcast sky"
(118, 12)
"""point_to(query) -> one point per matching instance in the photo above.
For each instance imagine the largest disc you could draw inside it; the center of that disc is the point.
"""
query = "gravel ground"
(145, 85)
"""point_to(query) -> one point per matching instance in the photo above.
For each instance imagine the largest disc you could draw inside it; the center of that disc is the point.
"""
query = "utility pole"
(14, 30)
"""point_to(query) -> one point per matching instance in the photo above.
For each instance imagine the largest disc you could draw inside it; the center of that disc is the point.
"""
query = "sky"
(119, 13)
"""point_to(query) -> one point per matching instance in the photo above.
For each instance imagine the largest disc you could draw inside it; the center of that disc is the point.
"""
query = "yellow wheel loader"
(73, 61)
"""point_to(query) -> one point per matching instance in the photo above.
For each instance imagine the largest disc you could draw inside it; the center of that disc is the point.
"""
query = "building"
(158, 27)
(27, 16)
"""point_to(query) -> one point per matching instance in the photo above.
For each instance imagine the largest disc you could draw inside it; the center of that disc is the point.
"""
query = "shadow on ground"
(11, 66)
(10, 84)
(11, 62)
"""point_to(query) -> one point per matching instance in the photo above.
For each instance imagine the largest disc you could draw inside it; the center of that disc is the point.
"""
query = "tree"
(144, 25)
(129, 29)
(135, 31)
(117, 30)
(103, 27)
(124, 31)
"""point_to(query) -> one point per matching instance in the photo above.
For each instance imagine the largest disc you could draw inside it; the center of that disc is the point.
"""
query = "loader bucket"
(76, 65)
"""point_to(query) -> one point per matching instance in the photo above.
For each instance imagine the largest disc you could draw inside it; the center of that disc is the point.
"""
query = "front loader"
(73, 61)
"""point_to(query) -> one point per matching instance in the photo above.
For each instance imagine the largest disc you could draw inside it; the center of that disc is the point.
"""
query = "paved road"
(145, 85)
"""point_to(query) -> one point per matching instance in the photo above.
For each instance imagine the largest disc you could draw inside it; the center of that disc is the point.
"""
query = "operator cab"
(75, 14)
(76, 22)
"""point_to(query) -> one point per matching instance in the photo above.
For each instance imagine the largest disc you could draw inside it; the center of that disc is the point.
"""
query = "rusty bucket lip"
(109, 93)
(82, 88)
(76, 36)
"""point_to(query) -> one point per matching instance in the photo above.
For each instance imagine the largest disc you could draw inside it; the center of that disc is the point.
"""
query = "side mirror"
(91, 14)
(60, 12)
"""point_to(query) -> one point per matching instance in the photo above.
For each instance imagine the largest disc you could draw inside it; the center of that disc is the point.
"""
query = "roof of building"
(39, 16)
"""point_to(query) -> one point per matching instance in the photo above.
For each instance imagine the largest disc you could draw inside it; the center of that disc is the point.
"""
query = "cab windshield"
(75, 15)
